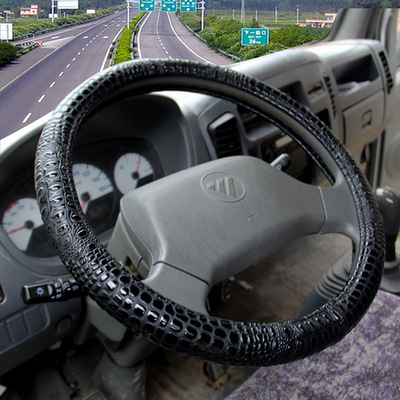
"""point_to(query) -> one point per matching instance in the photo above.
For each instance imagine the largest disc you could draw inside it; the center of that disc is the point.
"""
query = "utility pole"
(297, 16)
(243, 13)
(276, 15)
(127, 14)
(202, 14)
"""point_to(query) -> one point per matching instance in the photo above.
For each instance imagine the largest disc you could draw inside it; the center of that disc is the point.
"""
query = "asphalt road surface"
(162, 35)
(35, 83)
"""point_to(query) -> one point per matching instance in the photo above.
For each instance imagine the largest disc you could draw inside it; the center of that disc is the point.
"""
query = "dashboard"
(137, 139)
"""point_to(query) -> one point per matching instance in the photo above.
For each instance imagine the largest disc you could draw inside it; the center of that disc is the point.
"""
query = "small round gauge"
(95, 192)
(20, 220)
(131, 171)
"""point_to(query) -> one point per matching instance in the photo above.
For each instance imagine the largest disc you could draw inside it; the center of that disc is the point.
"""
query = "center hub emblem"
(223, 187)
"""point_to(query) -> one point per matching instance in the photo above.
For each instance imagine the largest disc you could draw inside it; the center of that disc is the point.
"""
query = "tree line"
(304, 5)
(282, 5)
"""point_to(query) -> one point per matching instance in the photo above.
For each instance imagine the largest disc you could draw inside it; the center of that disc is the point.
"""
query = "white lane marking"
(74, 59)
(138, 36)
(79, 54)
(67, 66)
(193, 52)
(41, 98)
(61, 73)
(26, 118)
(86, 37)
(52, 84)
(89, 26)
(105, 37)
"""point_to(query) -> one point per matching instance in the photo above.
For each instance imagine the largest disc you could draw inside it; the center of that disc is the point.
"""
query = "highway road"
(162, 35)
(34, 84)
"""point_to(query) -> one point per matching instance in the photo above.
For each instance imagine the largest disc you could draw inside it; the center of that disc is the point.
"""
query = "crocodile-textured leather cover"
(142, 309)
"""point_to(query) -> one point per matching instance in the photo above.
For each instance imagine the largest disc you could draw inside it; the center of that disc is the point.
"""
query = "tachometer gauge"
(131, 171)
(95, 192)
(20, 220)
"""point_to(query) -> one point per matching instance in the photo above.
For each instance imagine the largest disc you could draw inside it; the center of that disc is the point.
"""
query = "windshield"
(48, 51)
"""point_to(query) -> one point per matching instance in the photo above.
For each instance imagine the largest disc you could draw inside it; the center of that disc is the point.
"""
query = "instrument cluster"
(103, 173)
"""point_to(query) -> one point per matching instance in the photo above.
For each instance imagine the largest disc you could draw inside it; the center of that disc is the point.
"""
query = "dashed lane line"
(26, 118)
(42, 59)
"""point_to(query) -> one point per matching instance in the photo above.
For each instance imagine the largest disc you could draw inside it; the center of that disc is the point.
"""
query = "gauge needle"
(28, 225)
(138, 166)
(85, 199)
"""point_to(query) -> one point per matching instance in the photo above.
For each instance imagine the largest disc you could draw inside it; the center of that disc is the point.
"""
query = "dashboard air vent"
(224, 134)
(388, 75)
(328, 83)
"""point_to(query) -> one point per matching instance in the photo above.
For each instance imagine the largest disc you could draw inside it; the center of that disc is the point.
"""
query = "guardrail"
(26, 47)
(58, 27)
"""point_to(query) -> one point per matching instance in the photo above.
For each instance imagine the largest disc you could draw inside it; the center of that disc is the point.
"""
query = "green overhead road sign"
(168, 5)
(188, 5)
(147, 5)
(253, 36)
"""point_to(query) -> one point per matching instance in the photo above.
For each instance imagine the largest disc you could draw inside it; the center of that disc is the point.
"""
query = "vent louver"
(331, 95)
(224, 134)
(388, 75)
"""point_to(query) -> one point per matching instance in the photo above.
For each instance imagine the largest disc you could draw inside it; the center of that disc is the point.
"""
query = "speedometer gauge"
(20, 220)
(91, 183)
(131, 171)
(95, 192)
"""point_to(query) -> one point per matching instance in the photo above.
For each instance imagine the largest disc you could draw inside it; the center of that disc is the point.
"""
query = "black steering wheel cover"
(140, 308)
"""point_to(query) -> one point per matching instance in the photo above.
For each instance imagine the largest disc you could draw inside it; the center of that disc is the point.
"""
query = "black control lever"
(389, 203)
(58, 289)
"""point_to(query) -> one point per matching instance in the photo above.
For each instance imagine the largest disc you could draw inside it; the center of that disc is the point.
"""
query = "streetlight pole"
(243, 13)
(202, 14)
(127, 14)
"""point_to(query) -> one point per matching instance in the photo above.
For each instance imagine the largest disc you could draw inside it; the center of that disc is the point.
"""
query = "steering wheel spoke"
(341, 215)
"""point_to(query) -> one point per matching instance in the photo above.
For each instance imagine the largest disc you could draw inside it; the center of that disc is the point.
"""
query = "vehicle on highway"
(179, 229)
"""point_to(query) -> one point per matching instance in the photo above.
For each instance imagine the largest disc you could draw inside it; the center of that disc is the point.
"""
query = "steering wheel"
(206, 223)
